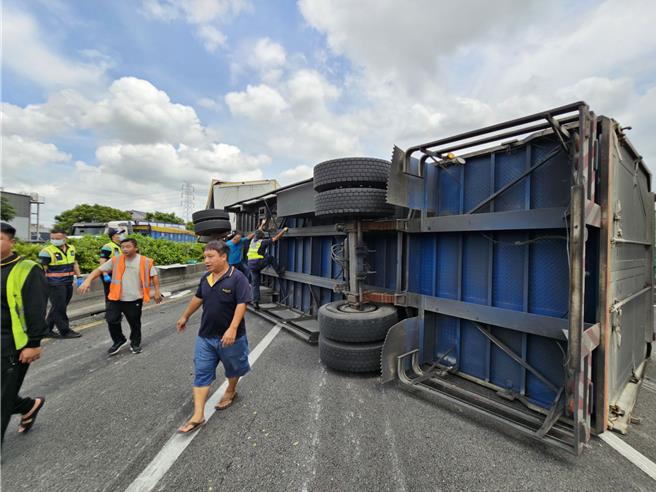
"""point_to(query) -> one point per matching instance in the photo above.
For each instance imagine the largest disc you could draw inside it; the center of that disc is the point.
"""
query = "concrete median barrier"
(172, 278)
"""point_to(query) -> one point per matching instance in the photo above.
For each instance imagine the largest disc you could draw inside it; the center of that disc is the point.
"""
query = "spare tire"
(341, 323)
(351, 172)
(209, 214)
(350, 357)
(211, 227)
(360, 202)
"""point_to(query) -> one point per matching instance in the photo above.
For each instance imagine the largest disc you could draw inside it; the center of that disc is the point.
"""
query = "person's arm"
(105, 256)
(44, 259)
(243, 295)
(279, 235)
(35, 302)
(261, 227)
(158, 294)
(193, 306)
(76, 269)
(98, 272)
(231, 333)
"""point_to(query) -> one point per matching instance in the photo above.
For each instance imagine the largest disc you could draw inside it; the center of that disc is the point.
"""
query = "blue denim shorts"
(209, 352)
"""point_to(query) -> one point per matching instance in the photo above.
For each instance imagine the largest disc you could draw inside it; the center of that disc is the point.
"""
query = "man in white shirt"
(132, 276)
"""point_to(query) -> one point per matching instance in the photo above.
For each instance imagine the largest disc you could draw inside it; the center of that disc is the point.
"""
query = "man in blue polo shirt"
(223, 292)
(236, 243)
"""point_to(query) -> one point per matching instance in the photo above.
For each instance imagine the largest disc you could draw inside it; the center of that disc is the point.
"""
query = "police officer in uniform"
(108, 251)
(258, 259)
(24, 301)
(58, 259)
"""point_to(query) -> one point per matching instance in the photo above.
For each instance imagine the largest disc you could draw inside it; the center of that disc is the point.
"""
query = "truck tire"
(350, 357)
(209, 214)
(211, 227)
(360, 202)
(340, 323)
(351, 172)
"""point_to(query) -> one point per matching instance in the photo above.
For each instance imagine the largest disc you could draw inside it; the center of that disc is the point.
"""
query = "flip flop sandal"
(194, 426)
(230, 400)
(27, 422)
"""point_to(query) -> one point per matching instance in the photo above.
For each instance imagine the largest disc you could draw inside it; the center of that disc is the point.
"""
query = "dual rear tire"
(351, 340)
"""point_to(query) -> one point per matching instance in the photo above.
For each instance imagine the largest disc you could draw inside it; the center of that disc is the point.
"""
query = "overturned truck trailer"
(519, 258)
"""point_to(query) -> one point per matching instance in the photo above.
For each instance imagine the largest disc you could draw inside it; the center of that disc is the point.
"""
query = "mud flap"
(403, 337)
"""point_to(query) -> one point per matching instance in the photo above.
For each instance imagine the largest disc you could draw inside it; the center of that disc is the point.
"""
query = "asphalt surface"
(295, 426)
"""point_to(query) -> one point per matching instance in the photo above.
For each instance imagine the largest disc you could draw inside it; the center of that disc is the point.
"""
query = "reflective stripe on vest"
(15, 282)
(62, 266)
(254, 250)
(118, 269)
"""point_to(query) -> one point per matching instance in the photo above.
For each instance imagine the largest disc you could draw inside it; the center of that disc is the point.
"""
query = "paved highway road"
(296, 426)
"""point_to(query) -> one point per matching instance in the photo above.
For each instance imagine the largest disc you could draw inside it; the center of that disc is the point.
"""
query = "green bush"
(28, 250)
(163, 251)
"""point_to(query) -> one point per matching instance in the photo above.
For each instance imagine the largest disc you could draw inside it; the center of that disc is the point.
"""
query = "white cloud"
(268, 54)
(194, 11)
(297, 173)
(60, 114)
(147, 146)
(309, 92)
(259, 102)
(19, 154)
(208, 103)
(483, 62)
(213, 39)
(204, 14)
(136, 111)
(27, 53)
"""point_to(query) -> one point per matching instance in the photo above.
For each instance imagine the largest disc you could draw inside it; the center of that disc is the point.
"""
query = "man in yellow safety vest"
(60, 264)
(259, 258)
(24, 300)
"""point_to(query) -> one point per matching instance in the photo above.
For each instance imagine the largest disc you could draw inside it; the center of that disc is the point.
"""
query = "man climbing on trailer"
(236, 243)
(259, 258)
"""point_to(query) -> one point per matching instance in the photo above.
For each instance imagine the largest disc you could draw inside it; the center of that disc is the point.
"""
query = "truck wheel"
(209, 214)
(350, 202)
(350, 357)
(342, 323)
(211, 227)
(351, 172)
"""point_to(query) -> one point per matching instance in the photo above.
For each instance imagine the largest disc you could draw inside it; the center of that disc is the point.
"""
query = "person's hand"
(29, 355)
(229, 337)
(158, 297)
(84, 288)
(181, 324)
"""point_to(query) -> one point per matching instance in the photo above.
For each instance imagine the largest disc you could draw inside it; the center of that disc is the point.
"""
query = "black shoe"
(71, 334)
(256, 305)
(135, 349)
(53, 334)
(113, 350)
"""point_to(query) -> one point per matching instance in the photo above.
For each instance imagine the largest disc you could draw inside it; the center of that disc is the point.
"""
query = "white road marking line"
(179, 294)
(631, 454)
(649, 385)
(162, 462)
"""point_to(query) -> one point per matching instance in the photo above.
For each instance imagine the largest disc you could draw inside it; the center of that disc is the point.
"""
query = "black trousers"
(256, 268)
(13, 374)
(59, 296)
(132, 312)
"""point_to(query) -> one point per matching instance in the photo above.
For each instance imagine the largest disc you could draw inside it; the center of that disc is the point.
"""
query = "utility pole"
(187, 200)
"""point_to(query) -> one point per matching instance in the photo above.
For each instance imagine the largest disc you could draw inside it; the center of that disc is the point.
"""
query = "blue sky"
(120, 102)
